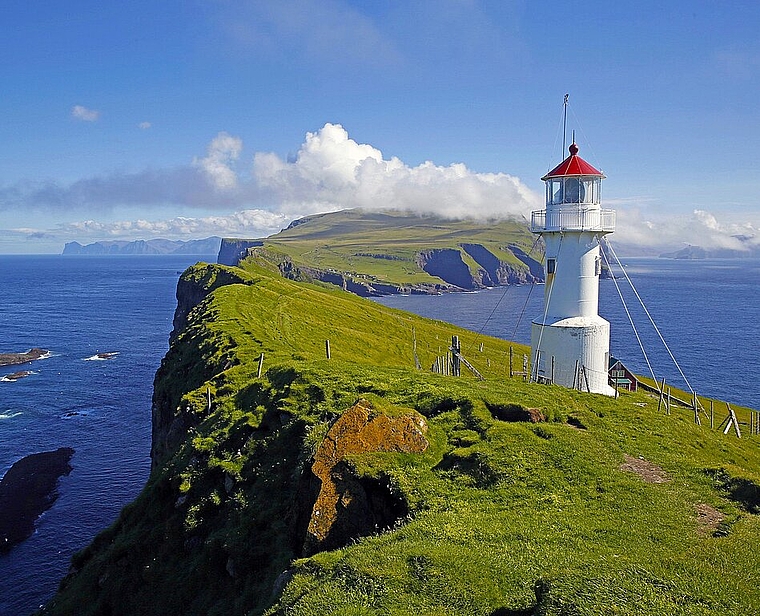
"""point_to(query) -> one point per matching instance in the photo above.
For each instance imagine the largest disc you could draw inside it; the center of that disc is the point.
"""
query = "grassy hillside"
(606, 507)
(386, 247)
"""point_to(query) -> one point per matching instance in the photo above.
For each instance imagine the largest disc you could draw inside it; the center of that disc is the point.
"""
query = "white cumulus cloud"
(221, 155)
(333, 171)
(636, 232)
(78, 112)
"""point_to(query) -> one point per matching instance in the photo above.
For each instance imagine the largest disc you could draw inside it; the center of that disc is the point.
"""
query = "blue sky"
(184, 119)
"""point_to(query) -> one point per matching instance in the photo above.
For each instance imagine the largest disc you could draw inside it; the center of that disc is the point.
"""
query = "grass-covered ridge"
(394, 248)
(608, 507)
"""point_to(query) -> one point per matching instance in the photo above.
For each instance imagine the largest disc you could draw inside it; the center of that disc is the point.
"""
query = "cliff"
(370, 254)
(362, 485)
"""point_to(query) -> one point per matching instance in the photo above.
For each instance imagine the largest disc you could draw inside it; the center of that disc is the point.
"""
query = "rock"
(348, 506)
(232, 251)
(447, 264)
(12, 359)
(515, 412)
(281, 582)
(15, 376)
(27, 490)
(229, 483)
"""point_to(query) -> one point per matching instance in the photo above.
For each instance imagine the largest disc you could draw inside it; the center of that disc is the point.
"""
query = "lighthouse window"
(551, 266)
(598, 266)
(575, 191)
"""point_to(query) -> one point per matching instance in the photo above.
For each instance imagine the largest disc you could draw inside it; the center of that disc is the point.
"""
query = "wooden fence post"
(734, 420)
(455, 350)
(662, 395)
(327, 348)
(261, 364)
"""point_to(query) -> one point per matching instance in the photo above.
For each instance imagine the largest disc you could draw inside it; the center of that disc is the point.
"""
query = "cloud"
(329, 172)
(223, 151)
(635, 232)
(244, 223)
(144, 125)
(78, 112)
(334, 172)
(183, 186)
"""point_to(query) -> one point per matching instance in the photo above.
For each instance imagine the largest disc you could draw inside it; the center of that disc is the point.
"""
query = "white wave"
(9, 415)
(102, 356)
(45, 355)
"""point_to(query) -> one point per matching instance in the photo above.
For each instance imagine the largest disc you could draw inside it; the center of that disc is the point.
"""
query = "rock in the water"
(27, 490)
(14, 359)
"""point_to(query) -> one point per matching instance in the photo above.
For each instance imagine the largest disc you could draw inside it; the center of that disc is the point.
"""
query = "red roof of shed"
(572, 165)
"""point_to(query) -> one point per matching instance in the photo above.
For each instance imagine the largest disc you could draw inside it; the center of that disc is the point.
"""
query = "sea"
(707, 312)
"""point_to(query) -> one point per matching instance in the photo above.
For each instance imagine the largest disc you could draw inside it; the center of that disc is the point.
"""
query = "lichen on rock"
(349, 506)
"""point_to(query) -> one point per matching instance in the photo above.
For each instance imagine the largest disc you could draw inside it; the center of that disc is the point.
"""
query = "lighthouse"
(570, 342)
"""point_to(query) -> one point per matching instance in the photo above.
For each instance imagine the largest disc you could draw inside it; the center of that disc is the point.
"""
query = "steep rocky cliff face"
(182, 369)
(232, 251)
(194, 286)
(363, 287)
(449, 265)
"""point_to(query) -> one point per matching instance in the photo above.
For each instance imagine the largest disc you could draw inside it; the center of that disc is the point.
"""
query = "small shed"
(621, 377)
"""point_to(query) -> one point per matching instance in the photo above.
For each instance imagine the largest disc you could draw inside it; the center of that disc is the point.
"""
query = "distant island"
(691, 252)
(207, 246)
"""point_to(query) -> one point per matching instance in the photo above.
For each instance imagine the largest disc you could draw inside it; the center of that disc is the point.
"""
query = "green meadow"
(384, 246)
(609, 506)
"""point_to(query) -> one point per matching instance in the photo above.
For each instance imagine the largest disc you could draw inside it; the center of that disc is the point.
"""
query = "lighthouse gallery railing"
(572, 219)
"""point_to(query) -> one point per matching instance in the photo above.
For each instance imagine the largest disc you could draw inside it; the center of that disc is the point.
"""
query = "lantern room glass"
(573, 190)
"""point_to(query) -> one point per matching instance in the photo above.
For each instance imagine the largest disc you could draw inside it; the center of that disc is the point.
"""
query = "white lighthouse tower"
(570, 342)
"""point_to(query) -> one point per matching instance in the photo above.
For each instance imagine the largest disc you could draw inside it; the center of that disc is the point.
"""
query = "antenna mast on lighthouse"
(564, 125)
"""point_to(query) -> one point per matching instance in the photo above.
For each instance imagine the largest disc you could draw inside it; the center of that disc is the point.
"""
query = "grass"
(506, 518)
(383, 246)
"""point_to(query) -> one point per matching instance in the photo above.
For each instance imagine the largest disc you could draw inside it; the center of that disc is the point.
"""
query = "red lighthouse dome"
(573, 165)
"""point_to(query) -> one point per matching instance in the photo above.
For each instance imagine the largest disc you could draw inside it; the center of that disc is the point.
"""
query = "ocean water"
(78, 307)
(708, 313)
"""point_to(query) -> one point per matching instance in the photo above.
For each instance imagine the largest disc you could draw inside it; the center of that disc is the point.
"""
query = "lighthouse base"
(572, 352)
